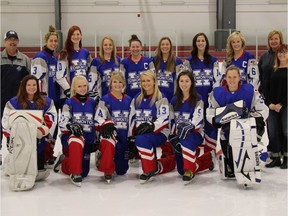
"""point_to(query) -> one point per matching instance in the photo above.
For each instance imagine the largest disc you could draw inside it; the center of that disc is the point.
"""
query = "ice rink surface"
(166, 195)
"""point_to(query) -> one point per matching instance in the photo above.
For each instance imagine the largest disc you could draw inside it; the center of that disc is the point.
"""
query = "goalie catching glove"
(184, 128)
(108, 130)
(146, 127)
(75, 128)
(42, 131)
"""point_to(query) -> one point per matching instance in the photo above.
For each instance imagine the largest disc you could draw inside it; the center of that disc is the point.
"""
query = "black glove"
(9, 145)
(108, 130)
(132, 147)
(67, 93)
(216, 125)
(146, 127)
(95, 95)
(175, 142)
(184, 128)
(75, 128)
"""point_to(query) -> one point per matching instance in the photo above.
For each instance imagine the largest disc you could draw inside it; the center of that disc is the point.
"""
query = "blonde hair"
(117, 75)
(74, 82)
(156, 94)
(271, 34)
(229, 49)
(52, 31)
(113, 54)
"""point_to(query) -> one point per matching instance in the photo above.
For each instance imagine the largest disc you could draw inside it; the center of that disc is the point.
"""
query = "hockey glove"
(184, 128)
(216, 125)
(146, 127)
(108, 130)
(9, 145)
(132, 147)
(67, 93)
(175, 142)
(75, 128)
(95, 95)
(42, 131)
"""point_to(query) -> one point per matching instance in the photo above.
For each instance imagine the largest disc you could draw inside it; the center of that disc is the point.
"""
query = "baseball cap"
(10, 34)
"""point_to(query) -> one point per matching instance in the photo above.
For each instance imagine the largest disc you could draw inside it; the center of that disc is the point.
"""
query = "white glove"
(42, 131)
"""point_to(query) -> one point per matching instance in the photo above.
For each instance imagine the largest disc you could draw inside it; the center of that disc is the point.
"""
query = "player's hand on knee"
(175, 142)
(75, 128)
(146, 127)
(184, 128)
(108, 130)
(42, 131)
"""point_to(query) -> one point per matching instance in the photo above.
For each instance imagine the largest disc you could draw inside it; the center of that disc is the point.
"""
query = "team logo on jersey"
(106, 76)
(52, 72)
(202, 77)
(165, 78)
(79, 66)
(180, 117)
(143, 116)
(85, 119)
(120, 118)
(134, 80)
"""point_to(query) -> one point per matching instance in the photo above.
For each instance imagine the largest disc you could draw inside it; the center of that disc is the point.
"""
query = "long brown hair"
(68, 49)
(192, 92)
(170, 63)
(22, 95)
(281, 48)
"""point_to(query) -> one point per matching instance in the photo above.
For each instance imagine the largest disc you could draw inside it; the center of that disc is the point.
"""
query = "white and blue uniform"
(44, 68)
(249, 71)
(49, 117)
(158, 113)
(84, 114)
(167, 79)
(132, 72)
(221, 96)
(206, 78)
(193, 115)
(99, 76)
(114, 152)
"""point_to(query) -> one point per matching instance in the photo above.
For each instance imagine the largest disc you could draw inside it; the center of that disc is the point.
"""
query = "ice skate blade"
(148, 180)
(78, 184)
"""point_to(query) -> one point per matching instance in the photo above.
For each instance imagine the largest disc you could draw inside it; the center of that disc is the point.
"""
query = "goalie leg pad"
(243, 139)
(23, 169)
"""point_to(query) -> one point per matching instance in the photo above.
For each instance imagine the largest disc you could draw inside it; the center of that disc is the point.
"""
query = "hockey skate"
(97, 158)
(213, 160)
(145, 177)
(188, 177)
(108, 177)
(58, 162)
(76, 179)
(50, 163)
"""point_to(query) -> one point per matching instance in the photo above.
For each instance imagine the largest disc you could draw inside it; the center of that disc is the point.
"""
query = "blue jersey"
(82, 113)
(187, 113)
(206, 76)
(44, 68)
(221, 96)
(167, 79)
(132, 72)
(249, 71)
(117, 110)
(79, 65)
(100, 73)
(158, 113)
